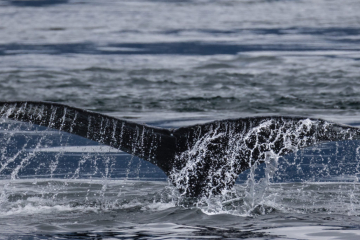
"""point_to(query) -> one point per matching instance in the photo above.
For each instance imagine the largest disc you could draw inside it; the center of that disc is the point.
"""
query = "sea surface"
(170, 64)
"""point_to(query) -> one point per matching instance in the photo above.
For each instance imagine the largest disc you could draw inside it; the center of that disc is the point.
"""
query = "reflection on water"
(69, 188)
(71, 209)
(177, 63)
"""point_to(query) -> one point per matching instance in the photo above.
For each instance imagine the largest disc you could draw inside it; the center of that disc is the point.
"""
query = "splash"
(207, 163)
(39, 167)
(259, 147)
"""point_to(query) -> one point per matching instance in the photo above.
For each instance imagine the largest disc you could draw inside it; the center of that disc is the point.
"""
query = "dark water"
(171, 64)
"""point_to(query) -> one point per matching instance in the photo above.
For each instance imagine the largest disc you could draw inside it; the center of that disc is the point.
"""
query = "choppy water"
(171, 64)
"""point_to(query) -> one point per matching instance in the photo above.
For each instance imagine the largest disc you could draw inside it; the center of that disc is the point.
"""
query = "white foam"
(30, 209)
(159, 206)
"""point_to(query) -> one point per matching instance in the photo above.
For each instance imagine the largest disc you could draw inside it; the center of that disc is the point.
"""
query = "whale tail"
(203, 159)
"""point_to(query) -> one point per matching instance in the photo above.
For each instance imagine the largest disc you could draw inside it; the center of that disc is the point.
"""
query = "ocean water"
(171, 64)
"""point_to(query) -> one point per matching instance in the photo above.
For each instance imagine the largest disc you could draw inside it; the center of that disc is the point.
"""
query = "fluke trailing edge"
(200, 160)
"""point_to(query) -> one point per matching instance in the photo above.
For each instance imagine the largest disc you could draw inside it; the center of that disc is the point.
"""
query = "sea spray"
(260, 146)
(269, 167)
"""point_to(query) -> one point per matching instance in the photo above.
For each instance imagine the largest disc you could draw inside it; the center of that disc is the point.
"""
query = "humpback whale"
(199, 160)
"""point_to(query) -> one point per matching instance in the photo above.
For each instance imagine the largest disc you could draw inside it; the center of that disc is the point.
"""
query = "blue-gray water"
(171, 64)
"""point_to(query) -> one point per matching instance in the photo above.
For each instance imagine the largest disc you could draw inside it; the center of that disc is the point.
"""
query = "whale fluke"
(200, 160)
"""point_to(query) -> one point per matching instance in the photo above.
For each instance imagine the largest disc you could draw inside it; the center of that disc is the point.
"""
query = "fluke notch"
(200, 160)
